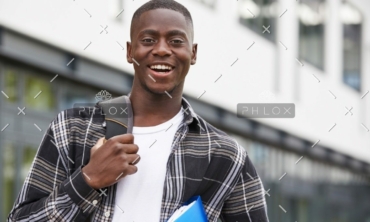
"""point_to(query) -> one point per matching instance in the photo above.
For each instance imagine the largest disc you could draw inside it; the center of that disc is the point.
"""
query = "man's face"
(162, 46)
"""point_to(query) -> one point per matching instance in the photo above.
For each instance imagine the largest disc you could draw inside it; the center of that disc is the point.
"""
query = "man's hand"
(111, 161)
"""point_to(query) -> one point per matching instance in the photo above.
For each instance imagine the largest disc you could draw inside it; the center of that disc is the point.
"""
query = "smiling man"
(172, 154)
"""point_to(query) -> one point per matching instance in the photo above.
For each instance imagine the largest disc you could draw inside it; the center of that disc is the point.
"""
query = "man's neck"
(153, 109)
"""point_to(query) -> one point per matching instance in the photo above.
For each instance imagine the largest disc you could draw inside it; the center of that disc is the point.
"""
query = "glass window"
(302, 210)
(10, 85)
(82, 95)
(352, 29)
(69, 101)
(311, 32)
(71, 61)
(1, 35)
(39, 94)
(260, 16)
(8, 159)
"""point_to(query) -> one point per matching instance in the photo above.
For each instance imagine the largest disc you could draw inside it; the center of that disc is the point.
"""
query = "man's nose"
(162, 48)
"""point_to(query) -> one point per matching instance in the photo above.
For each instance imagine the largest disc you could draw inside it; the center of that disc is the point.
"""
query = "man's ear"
(129, 52)
(194, 53)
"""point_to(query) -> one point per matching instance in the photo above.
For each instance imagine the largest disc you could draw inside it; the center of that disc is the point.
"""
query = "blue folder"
(194, 214)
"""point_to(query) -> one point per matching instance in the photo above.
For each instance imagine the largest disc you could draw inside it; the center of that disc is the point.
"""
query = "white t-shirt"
(139, 196)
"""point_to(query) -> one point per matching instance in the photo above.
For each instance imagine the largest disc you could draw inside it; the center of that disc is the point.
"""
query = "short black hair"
(163, 4)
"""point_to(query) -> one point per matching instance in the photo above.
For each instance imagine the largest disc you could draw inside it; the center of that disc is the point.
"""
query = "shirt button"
(95, 202)
(107, 214)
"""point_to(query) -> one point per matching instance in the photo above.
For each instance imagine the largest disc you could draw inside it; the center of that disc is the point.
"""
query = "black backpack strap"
(118, 116)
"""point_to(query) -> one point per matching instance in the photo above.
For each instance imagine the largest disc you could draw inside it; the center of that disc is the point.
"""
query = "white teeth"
(161, 67)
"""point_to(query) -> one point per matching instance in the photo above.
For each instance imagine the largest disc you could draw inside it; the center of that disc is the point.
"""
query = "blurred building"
(315, 167)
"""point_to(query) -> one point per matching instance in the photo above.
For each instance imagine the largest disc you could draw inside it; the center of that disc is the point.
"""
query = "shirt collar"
(190, 117)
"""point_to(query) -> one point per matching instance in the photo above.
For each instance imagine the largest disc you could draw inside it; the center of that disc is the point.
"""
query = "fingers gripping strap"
(118, 116)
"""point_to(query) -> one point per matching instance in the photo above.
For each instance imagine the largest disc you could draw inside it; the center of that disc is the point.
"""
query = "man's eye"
(148, 40)
(177, 41)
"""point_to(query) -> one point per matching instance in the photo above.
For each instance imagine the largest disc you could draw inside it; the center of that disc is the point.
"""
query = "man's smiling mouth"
(161, 68)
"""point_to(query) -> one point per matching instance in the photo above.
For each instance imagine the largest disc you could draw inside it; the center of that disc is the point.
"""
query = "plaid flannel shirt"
(204, 161)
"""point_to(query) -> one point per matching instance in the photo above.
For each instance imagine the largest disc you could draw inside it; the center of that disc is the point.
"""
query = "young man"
(171, 156)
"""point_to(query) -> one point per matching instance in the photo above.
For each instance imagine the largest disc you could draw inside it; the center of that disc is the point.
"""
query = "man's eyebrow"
(149, 32)
(170, 33)
(176, 32)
